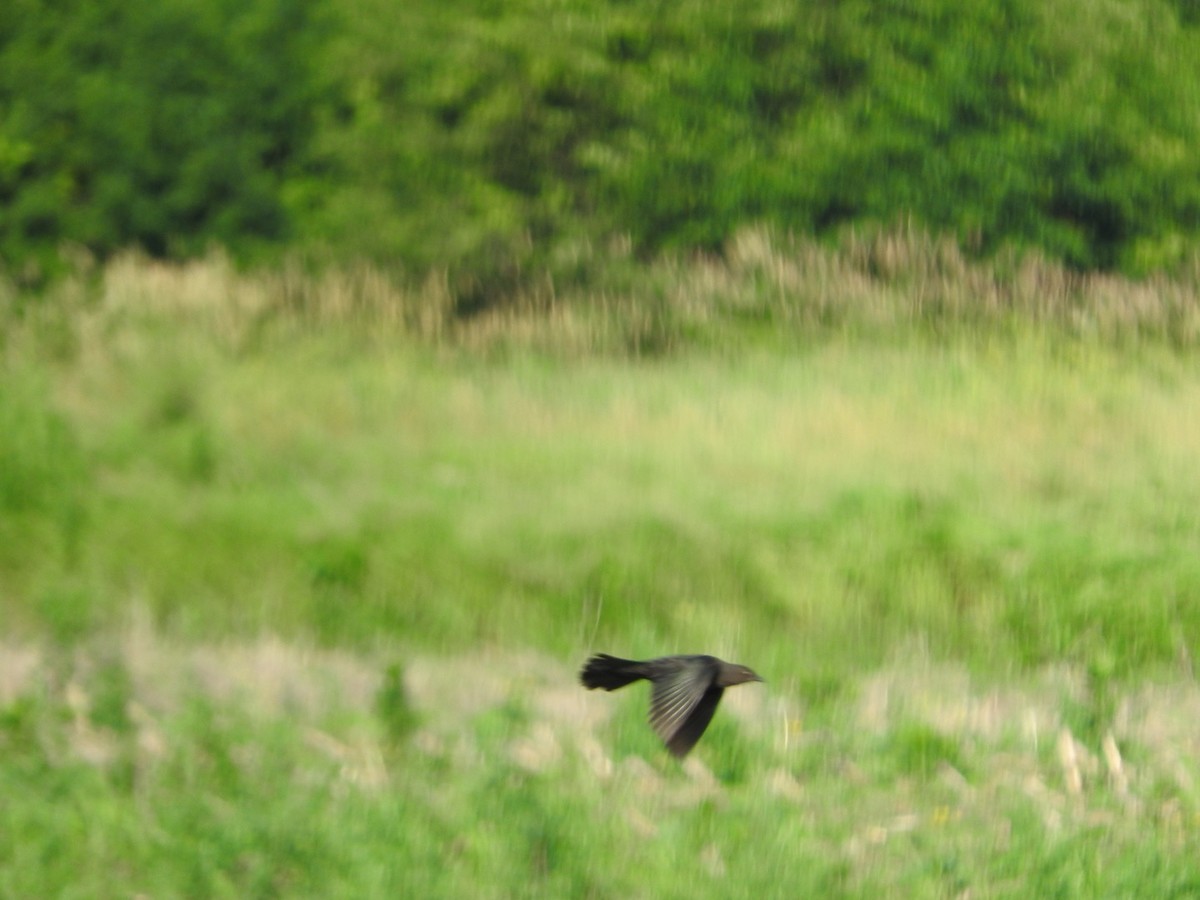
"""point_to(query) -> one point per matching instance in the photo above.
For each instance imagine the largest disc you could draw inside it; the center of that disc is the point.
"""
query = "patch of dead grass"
(1015, 734)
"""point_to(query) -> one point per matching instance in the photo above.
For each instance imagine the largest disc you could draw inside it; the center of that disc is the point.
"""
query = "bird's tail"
(609, 672)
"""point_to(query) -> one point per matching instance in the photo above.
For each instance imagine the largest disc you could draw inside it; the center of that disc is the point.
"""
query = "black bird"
(685, 692)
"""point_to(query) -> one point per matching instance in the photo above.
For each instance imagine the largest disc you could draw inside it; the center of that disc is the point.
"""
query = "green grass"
(293, 599)
(1001, 502)
(260, 770)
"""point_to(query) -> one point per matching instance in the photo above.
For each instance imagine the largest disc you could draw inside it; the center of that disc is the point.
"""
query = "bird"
(684, 694)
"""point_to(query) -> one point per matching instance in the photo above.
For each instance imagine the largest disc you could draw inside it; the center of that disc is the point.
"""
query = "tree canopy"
(475, 134)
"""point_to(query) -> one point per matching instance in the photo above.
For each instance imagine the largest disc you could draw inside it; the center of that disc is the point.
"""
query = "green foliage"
(495, 140)
(66, 611)
(44, 480)
(945, 541)
(1002, 122)
(393, 706)
(917, 750)
(41, 466)
(197, 795)
(347, 486)
(162, 125)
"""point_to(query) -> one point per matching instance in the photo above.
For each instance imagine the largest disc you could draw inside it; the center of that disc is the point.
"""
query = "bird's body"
(684, 694)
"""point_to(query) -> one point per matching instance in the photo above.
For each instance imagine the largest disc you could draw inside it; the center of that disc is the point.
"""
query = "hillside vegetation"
(366, 365)
(496, 139)
(296, 574)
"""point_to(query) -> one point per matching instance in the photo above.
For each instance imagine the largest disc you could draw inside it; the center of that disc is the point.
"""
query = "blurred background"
(495, 138)
(364, 366)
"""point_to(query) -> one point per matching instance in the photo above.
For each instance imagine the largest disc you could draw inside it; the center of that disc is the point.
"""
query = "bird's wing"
(676, 694)
(689, 732)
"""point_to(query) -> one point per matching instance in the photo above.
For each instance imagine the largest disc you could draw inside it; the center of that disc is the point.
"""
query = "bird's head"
(735, 674)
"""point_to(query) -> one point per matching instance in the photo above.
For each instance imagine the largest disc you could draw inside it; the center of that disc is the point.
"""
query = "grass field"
(296, 576)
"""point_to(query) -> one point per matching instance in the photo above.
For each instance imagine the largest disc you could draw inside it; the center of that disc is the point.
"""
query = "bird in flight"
(684, 693)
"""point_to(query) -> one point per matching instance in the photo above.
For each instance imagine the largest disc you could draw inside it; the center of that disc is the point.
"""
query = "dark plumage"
(684, 695)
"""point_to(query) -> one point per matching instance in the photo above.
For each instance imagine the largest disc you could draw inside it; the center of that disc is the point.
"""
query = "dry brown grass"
(787, 285)
(1014, 737)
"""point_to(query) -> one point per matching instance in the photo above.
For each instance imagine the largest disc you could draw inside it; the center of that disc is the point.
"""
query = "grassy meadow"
(297, 571)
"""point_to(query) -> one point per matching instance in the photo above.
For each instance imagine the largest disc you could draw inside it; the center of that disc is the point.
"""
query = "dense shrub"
(166, 124)
(494, 138)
